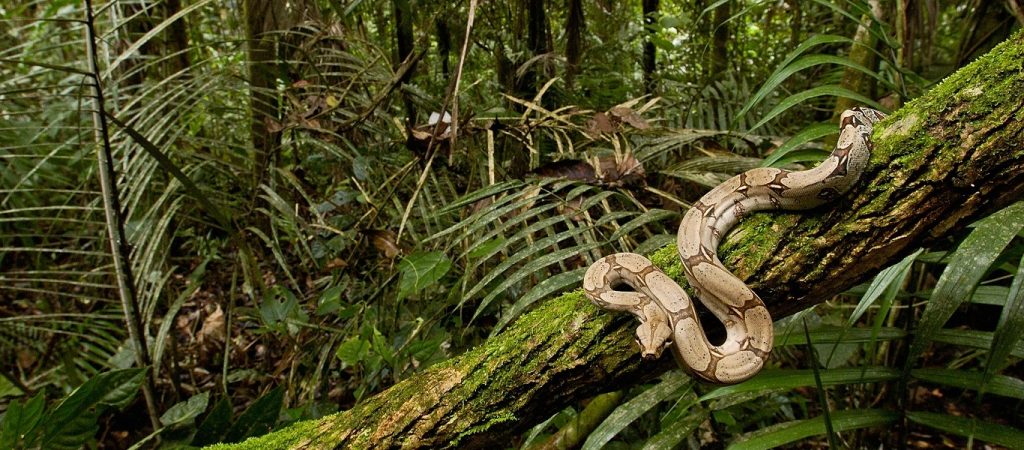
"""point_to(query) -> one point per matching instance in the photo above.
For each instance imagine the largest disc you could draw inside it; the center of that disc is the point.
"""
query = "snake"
(629, 282)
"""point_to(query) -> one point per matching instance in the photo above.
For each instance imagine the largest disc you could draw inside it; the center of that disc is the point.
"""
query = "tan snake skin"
(667, 315)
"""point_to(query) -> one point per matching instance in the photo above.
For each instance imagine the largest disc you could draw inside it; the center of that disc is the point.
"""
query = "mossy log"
(941, 162)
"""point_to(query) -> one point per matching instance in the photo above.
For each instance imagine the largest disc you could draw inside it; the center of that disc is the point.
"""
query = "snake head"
(653, 337)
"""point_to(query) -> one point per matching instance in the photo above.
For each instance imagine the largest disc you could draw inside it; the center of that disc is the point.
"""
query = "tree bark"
(574, 27)
(720, 40)
(404, 40)
(262, 19)
(444, 45)
(941, 162)
(650, 57)
(537, 43)
(177, 39)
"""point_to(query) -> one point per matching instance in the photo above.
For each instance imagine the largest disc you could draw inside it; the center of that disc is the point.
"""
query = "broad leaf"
(421, 270)
(184, 412)
(73, 422)
(259, 419)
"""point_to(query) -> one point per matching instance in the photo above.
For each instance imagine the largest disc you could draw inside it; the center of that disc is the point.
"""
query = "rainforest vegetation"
(364, 223)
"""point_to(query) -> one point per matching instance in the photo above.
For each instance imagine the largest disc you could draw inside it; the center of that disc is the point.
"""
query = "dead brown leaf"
(212, 331)
(629, 116)
(385, 242)
(599, 124)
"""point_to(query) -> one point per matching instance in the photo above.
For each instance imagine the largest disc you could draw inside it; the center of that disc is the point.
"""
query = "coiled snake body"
(667, 314)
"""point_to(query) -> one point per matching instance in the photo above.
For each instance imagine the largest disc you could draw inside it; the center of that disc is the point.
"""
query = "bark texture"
(650, 57)
(939, 163)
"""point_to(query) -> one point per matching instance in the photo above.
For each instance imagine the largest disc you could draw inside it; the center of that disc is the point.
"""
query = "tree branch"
(941, 162)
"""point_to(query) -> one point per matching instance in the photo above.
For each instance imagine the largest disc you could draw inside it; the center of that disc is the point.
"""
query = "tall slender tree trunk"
(404, 41)
(262, 19)
(177, 38)
(574, 27)
(796, 22)
(938, 164)
(536, 42)
(444, 45)
(720, 39)
(650, 57)
(120, 248)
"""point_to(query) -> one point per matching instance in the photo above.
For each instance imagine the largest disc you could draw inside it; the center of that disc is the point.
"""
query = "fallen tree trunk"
(944, 160)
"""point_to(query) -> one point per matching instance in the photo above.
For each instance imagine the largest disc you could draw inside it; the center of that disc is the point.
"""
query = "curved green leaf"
(780, 379)
(964, 379)
(970, 428)
(785, 153)
(1010, 327)
(813, 41)
(787, 432)
(672, 383)
(969, 263)
(820, 91)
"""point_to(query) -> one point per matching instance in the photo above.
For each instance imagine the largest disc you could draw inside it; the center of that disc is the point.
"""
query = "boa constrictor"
(667, 314)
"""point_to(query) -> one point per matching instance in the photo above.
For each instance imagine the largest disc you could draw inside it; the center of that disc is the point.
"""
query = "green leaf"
(383, 348)
(770, 84)
(786, 337)
(529, 269)
(970, 428)
(671, 385)
(73, 421)
(966, 267)
(887, 282)
(820, 91)
(353, 351)
(8, 389)
(981, 340)
(786, 153)
(788, 432)
(1010, 327)
(673, 433)
(650, 216)
(808, 61)
(19, 422)
(259, 419)
(480, 194)
(166, 164)
(329, 300)
(769, 380)
(184, 412)
(215, 425)
(486, 247)
(975, 381)
(420, 270)
(280, 310)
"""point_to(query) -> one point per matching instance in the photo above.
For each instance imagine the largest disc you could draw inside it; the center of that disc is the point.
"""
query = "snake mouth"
(648, 353)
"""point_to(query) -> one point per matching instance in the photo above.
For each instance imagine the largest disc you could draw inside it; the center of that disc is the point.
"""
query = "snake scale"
(667, 315)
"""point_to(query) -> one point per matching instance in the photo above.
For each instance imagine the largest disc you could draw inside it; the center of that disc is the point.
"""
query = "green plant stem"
(115, 224)
(574, 432)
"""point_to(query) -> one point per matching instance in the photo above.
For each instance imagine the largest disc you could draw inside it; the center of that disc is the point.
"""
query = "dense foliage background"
(313, 200)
